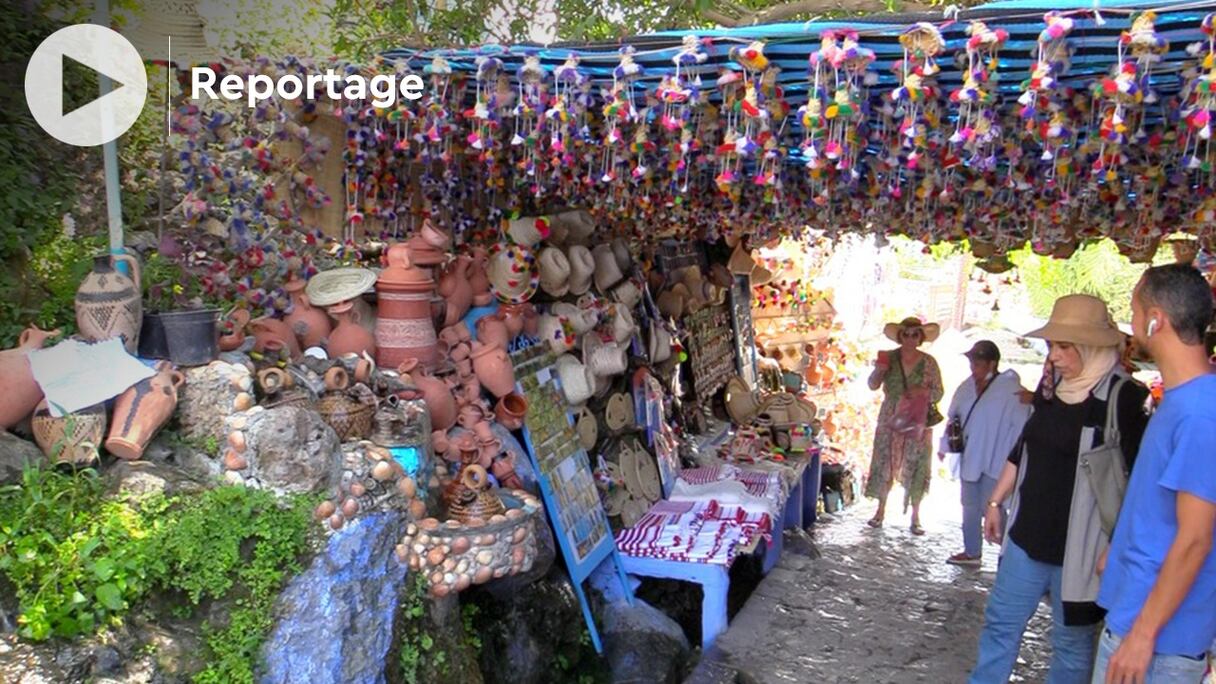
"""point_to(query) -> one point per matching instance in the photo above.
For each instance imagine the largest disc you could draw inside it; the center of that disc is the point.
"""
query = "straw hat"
(557, 332)
(577, 224)
(512, 272)
(627, 293)
(575, 381)
(604, 359)
(528, 231)
(582, 320)
(620, 249)
(623, 326)
(659, 343)
(607, 270)
(338, 285)
(582, 268)
(671, 303)
(741, 262)
(554, 272)
(761, 275)
(1080, 319)
(929, 330)
(741, 403)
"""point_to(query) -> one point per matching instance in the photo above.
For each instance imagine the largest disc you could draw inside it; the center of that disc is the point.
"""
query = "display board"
(711, 353)
(564, 473)
(648, 397)
(745, 333)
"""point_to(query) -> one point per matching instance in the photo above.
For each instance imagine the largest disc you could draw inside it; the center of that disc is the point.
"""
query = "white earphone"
(1152, 327)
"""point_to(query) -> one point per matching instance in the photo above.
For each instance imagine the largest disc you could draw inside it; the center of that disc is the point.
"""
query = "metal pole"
(109, 152)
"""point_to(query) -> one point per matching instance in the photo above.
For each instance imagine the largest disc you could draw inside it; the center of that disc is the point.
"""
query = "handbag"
(914, 410)
(1105, 467)
(954, 431)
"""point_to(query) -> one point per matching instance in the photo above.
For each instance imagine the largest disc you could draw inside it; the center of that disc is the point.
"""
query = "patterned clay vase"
(73, 438)
(109, 304)
(348, 337)
(142, 410)
(21, 393)
(309, 323)
(493, 369)
(405, 327)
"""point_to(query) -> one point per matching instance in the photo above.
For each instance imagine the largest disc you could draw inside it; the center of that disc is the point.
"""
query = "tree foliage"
(1097, 269)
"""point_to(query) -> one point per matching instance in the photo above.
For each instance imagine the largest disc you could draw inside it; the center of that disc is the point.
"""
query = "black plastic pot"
(186, 338)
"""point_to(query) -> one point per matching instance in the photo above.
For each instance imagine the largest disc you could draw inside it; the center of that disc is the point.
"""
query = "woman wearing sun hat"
(902, 447)
(1055, 537)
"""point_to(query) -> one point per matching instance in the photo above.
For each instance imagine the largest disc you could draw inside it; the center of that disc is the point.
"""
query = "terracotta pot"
(493, 369)
(309, 323)
(439, 400)
(337, 379)
(439, 442)
(73, 438)
(503, 467)
(351, 419)
(492, 331)
(483, 430)
(470, 415)
(109, 304)
(142, 410)
(513, 316)
(510, 411)
(233, 335)
(405, 327)
(266, 329)
(479, 279)
(348, 337)
(21, 393)
(273, 380)
(456, 289)
(435, 237)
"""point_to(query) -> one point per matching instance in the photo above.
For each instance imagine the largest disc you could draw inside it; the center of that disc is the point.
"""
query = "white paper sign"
(75, 375)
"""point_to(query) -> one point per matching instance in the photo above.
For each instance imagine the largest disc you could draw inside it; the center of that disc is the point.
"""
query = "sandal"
(962, 558)
(875, 522)
(917, 530)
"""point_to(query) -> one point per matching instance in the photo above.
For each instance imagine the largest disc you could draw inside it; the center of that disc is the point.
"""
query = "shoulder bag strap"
(977, 401)
(1111, 431)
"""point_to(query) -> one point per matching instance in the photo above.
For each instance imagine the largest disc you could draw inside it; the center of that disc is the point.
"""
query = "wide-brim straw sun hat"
(1080, 319)
(607, 270)
(512, 272)
(554, 272)
(337, 285)
(930, 331)
(528, 231)
(582, 268)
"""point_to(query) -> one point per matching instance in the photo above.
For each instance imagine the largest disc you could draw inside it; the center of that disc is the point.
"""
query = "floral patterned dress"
(899, 457)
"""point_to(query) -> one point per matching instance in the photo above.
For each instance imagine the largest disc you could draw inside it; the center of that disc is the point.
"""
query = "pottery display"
(309, 323)
(456, 289)
(493, 331)
(467, 497)
(110, 304)
(348, 337)
(21, 393)
(351, 419)
(479, 278)
(142, 410)
(73, 438)
(232, 330)
(493, 369)
(515, 317)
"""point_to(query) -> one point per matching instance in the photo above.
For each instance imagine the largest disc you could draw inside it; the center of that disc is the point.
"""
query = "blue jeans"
(1164, 669)
(975, 502)
(1020, 584)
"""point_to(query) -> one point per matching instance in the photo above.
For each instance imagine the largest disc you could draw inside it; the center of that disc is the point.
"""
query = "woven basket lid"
(330, 287)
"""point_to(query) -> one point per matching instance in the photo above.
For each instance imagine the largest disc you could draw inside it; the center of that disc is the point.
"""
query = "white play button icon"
(102, 119)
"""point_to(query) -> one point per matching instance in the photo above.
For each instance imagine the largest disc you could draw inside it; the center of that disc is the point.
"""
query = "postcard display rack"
(564, 473)
(711, 353)
(745, 334)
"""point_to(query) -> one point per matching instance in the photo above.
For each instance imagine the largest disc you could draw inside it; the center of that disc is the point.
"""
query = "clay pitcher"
(493, 369)
(513, 316)
(72, 438)
(142, 410)
(309, 323)
(266, 329)
(21, 393)
(510, 411)
(440, 401)
(109, 304)
(233, 335)
(491, 330)
(456, 289)
(348, 337)
(479, 279)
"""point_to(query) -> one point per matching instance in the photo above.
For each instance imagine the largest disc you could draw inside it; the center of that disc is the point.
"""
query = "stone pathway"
(877, 606)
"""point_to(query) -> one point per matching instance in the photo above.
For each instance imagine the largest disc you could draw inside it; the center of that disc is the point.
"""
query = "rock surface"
(334, 622)
(209, 396)
(642, 645)
(15, 455)
(137, 479)
(291, 450)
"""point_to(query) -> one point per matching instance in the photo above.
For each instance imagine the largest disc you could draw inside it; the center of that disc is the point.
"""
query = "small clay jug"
(440, 401)
(479, 279)
(21, 393)
(73, 438)
(110, 304)
(273, 380)
(492, 331)
(513, 316)
(266, 329)
(493, 369)
(310, 324)
(142, 410)
(456, 289)
(470, 415)
(503, 467)
(348, 337)
(510, 411)
(232, 334)
(434, 236)
(337, 379)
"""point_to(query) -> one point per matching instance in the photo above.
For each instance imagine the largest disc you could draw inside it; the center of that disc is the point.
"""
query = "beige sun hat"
(337, 285)
(607, 270)
(658, 343)
(604, 359)
(930, 330)
(576, 382)
(557, 332)
(577, 224)
(512, 272)
(1080, 319)
(582, 268)
(620, 249)
(528, 231)
(741, 261)
(554, 272)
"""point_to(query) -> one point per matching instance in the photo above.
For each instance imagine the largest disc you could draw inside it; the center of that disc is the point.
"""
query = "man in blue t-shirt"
(1159, 584)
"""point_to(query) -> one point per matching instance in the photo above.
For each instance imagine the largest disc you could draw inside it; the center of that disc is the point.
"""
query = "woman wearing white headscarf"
(1055, 535)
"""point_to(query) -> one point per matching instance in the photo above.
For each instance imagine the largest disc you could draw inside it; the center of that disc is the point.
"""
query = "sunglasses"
(910, 333)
